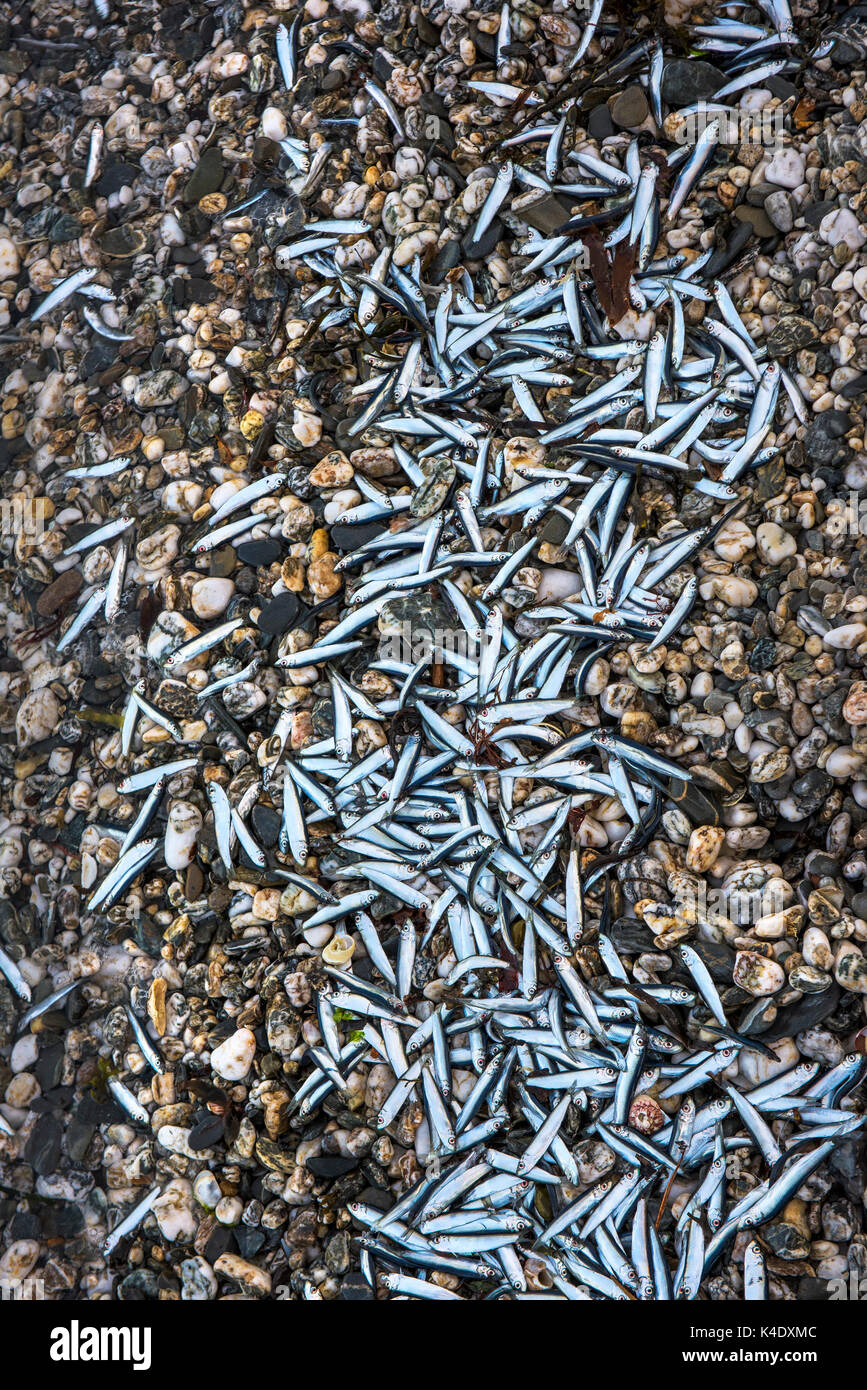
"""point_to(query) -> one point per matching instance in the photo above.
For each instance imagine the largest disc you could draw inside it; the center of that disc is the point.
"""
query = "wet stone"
(49, 1066)
(629, 108)
(779, 209)
(201, 291)
(115, 177)
(61, 592)
(206, 1133)
(477, 250)
(811, 790)
(446, 258)
(757, 219)
(430, 495)
(281, 613)
(206, 177)
(350, 537)
(809, 1011)
(77, 1139)
(354, 1288)
(599, 123)
(249, 1242)
(791, 335)
(331, 1165)
(259, 553)
(43, 1146)
(686, 81)
(816, 211)
(822, 441)
(546, 215)
(266, 823)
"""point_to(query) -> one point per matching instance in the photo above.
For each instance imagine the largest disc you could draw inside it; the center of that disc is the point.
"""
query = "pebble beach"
(433, 622)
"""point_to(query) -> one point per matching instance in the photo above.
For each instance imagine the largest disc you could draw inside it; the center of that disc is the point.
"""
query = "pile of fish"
(541, 1004)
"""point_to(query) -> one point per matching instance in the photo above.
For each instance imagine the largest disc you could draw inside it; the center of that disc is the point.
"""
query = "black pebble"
(116, 177)
(809, 1011)
(207, 1132)
(266, 823)
(62, 1222)
(813, 215)
(686, 80)
(599, 122)
(723, 257)
(259, 552)
(94, 1112)
(249, 1242)
(487, 243)
(49, 1067)
(201, 292)
(42, 1151)
(77, 1138)
(25, 1225)
(445, 260)
(331, 1165)
(355, 1289)
(781, 88)
(221, 1242)
(345, 537)
(98, 358)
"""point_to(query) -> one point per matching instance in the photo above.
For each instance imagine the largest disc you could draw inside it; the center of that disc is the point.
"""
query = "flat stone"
(547, 214)
(331, 1165)
(77, 1139)
(770, 479)
(280, 613)
(813, 215)
(822, 441)
(115, 177)
(629, 108)
(62, 591)
(349, 537)
(599, 122)
(98, 358)
(780, 87)
(686, 80)
(791, 334)
(49, 1067)
(206, 177)
(758, 219)
(355, 1289)
(207, 1133)
(42, 1151)
(201, 291)
(718, 958)
(259, 552)
(249, 1242)
(63, 1221)
(446, 258)
(724, 255)
(220, 1242)
(486, 244)
(266, 823)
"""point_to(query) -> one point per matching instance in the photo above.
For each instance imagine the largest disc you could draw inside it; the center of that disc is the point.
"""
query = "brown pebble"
(63, 590)
(629, 109)
(758, 220)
